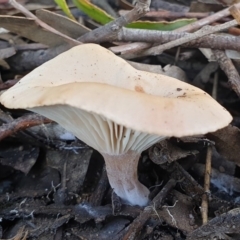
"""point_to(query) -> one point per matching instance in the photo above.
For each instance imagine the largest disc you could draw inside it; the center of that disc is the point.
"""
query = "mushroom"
(116, 109)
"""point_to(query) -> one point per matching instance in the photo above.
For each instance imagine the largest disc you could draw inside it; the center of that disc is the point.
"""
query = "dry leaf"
(62, 24)
(29, 29)
(21, 158)
(7, 52)
(165, 151)
(227, 142)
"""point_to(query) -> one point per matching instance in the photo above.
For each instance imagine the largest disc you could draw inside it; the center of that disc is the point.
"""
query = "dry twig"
(187, 38)
(156, 203)
(98, 194)
(176, 15)
(112, 28)
(206, 30)
(21, 123)
(214, 41)
(204, 206)
(227, 66)
(206, 21)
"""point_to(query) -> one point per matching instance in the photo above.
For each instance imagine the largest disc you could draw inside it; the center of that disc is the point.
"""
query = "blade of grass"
(63, 5)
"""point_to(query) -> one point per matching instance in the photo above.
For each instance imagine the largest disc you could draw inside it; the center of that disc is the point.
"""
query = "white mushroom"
(116, 109)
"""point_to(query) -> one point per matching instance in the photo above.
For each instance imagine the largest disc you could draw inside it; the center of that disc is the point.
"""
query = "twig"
(156, 203)
(188, 184)
(234, 31)
(227, 66)
(30, 46)
(176, 15)
(204, 206)
(153, 36)
(112, 28)
(21, 123)
(214, 41)
(218, 226)
(206, 21)
(130, 48)
(206, 30)
(189, 28)
(98, 194)
(226, 63)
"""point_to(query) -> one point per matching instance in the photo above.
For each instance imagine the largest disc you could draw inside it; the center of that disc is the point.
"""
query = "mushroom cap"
(90, 79)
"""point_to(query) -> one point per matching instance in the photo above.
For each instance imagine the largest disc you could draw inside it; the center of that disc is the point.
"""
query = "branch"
(206, 21)
(153, 36)
(111, 29)
(227, 66)
(206, 30)
(156, 203)
(21, 123)
(190, 28)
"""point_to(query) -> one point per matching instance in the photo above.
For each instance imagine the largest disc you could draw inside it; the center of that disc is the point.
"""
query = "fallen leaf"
(21, 158)
(165, 151)
(29, 29)
(217, 227)
(227, 142)
(63, 24)
(7, 52)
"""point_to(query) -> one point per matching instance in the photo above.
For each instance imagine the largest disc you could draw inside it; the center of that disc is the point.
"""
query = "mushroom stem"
(123, 178)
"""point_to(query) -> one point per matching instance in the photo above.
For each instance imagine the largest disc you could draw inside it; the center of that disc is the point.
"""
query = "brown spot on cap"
(139, 89)
(179, 89)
